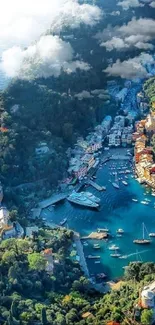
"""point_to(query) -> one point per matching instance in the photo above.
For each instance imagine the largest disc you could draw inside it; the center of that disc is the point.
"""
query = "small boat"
(153, 194)
(142, 241)
(101, 276)
(44, 219)
(63, 222)
(102, 230)
(97, 262)
(93, 257)
(123, 257)
(117, 255)
(116, 183)
(134, 200)
(125, 183)
(96, 246)
(144, 202)
(120, 231)
(152, 234)
(85, 243)
(118, 235)
(94, 177)
(113, 247)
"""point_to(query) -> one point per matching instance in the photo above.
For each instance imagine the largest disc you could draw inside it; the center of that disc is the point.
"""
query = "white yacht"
(125, 183)
(82, 200)
(91, 197)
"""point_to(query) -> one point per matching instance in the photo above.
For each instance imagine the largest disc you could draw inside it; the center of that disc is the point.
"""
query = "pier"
(79, 248)
(95, 185)
(53, 200)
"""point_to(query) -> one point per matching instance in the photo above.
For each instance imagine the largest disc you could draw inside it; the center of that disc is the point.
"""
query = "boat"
(101, 276)
(142, 241)
(113, 247)
(117, 255)
(153, 194)
(63, 222)
(152, 234)
(93, 257)
(97, 262)
(85, 243)
(134, 200)
(116, 183)
(102, 230)
(125, 183)
(92, 197)
(82, 199)
(94, 177)
(144, 202)
(96, 246)
(123, 257)
(120, 231)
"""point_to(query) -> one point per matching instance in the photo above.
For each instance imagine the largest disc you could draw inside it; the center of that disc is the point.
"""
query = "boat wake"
(132, 254)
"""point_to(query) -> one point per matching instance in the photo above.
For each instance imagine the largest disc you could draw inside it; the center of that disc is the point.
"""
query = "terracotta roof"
(87, 314)
(48, 251)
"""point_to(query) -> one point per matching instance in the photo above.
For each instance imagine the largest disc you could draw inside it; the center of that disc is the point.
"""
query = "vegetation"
(149, 88)
(30, 294)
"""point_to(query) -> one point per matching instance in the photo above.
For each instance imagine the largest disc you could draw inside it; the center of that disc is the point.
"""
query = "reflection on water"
(117, 211)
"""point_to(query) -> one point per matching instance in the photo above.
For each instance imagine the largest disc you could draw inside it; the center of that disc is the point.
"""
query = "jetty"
(79, 248)
(96, 235)
(95, 185)
(53, 200)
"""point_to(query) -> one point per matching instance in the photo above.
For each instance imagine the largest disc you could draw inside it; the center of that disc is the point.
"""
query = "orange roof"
(2, 129)
(48, 251)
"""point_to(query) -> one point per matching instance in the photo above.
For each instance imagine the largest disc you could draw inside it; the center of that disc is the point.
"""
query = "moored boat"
(96, 246)
(144, 202)
(152, 234)
(134, 200)
(125, 183)
(142, 241)
(120, 231)
(63, 222)
(93, 257)
(117, 255)
(102, 230)
(113, 247)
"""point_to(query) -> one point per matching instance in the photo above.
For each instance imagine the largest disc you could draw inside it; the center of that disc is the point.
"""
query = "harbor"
(120, 209)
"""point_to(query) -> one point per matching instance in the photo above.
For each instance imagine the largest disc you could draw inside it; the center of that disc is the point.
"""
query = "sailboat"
(142, 241)
(116, 254)
(116, 183)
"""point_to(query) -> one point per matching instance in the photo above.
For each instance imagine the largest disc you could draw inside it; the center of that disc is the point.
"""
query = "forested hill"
(32, 112)
(32, 293)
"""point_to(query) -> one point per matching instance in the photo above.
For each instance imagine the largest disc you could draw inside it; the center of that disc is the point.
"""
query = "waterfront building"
(150, 122)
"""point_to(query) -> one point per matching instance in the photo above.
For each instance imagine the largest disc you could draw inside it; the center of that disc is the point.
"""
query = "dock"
(96, 235)
(53, 200)
(79, 248)
(95, 185)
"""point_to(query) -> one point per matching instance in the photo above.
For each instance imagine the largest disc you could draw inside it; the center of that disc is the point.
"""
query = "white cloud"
(45, 58)
(126, 4)
(130, 69)
(115, 43)
(152, 4)
(136, 33)
(115, 13)
(22, 22)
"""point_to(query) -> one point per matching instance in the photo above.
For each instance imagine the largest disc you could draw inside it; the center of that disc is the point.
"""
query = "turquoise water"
(117, 211)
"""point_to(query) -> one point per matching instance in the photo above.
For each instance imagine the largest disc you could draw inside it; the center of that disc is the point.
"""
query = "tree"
(146, 317)
(36, 261)
(43, 316)
(9, 257)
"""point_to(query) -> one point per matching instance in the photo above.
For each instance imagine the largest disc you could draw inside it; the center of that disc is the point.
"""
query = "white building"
(4, 217)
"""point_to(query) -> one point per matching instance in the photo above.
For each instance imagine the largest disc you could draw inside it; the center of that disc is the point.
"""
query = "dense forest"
(32, 115)
(30, 294)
